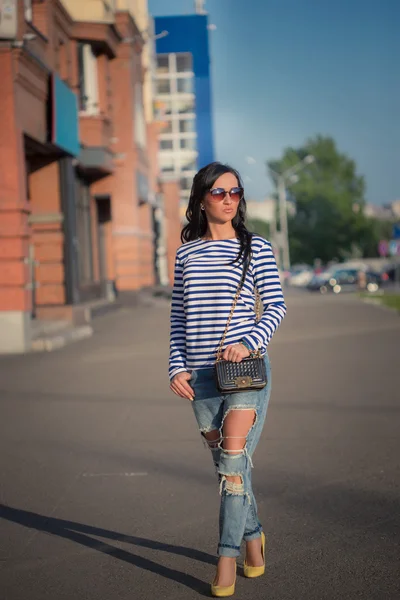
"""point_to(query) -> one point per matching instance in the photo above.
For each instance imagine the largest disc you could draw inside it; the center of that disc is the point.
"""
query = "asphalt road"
(108, 493)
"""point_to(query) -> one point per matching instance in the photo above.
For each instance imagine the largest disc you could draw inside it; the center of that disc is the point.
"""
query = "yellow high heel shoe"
(220, 591)
(256, 571)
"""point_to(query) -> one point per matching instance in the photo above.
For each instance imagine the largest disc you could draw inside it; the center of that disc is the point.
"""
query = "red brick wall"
(23, 106)
(173, 225)
(132, 236)
(23, 98)
(95, 131)
(53, 21)
(146, 260)
(14, 209)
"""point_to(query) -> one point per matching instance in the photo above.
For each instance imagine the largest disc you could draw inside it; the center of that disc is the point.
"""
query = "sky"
(286, 70)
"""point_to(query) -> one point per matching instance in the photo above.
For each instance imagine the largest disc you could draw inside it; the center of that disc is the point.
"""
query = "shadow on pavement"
(80, 534)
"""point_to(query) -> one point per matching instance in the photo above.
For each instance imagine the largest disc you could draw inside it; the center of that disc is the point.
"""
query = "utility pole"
(283, 222)
(281, 180)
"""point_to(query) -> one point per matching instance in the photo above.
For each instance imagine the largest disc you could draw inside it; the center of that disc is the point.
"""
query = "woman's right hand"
(179, 385)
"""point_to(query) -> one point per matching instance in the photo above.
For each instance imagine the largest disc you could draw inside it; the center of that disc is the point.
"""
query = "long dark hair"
(197, 220)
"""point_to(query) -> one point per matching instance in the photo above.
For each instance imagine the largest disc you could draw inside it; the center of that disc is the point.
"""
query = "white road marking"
(114, 474)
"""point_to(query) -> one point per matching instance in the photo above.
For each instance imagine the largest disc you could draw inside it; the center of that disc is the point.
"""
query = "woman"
(208, 270)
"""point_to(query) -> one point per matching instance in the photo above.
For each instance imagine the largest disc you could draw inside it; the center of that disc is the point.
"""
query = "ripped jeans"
(238, 518)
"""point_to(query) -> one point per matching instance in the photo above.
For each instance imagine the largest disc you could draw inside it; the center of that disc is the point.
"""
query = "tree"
(329, 196)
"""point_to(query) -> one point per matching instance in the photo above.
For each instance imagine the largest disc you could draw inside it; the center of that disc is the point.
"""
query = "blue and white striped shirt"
(204, 287)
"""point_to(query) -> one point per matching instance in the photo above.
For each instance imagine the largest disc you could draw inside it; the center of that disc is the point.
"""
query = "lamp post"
(281, 180)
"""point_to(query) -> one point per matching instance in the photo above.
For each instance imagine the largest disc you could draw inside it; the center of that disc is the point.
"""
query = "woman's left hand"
(236, 353)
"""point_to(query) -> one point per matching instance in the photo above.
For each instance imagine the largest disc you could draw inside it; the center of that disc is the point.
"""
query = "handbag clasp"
(243, 381)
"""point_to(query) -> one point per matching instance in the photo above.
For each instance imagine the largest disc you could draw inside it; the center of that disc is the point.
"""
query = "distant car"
(344, 280)
(389, 273)
(318, 282)
(300, 276)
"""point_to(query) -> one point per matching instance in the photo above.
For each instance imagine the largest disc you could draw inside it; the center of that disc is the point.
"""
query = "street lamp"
(149, 36)
(282, 179)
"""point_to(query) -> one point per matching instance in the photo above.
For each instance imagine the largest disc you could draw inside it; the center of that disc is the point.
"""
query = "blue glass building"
(183, 97)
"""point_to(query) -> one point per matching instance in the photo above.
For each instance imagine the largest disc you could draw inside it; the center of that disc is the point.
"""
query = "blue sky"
(285, 70)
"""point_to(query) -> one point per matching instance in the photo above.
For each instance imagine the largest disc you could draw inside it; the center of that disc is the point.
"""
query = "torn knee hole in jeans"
(240, 407)
(211, 438)
(235, 446)
(231, 487)
(234, 488)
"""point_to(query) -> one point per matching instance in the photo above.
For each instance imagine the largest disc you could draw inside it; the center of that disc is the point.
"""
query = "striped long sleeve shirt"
(205, 283)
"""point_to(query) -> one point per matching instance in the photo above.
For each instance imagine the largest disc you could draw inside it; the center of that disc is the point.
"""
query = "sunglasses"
(218, 194)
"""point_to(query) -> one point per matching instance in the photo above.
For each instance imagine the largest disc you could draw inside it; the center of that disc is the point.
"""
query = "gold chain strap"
(258, 316)
(235, 301)
(258, 307)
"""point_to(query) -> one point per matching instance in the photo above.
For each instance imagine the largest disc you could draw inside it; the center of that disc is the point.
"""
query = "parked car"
(389, 273)
(341, 280)
(318, 282)
(299, 276)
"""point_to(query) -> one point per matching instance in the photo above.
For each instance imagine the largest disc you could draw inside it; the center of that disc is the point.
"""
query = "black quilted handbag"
(248, 375)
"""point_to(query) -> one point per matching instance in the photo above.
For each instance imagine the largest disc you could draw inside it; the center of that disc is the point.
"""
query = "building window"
(168, 107)
(160, 108)
(88, 80)
(176, 102)
(184, 85)
(187, 126)
(163, 86)
(166, 145)
(184, 63)
(185, 106)
(81, 74)
(167, 163)
(162, 64)
(189, 165)
(188, 144)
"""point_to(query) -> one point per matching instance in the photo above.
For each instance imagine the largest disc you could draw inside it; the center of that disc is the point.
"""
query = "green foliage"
(260, 227)
(391, 300)
(387, 299)
(329, 196)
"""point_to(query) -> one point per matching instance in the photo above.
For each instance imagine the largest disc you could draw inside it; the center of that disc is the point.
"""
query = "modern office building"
(183, 98)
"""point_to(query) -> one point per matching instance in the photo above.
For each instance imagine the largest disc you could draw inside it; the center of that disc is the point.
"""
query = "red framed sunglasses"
(218, 194)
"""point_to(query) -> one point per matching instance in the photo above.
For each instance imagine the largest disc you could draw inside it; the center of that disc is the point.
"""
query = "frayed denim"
(238, 510)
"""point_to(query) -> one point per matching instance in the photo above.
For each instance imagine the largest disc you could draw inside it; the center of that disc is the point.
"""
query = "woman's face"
(222, 209)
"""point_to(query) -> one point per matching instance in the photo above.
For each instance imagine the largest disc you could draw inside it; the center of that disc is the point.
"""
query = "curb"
(378, 304)
(50, 343)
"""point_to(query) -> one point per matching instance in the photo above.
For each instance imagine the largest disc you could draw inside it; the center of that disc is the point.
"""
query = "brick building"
(79, 187)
